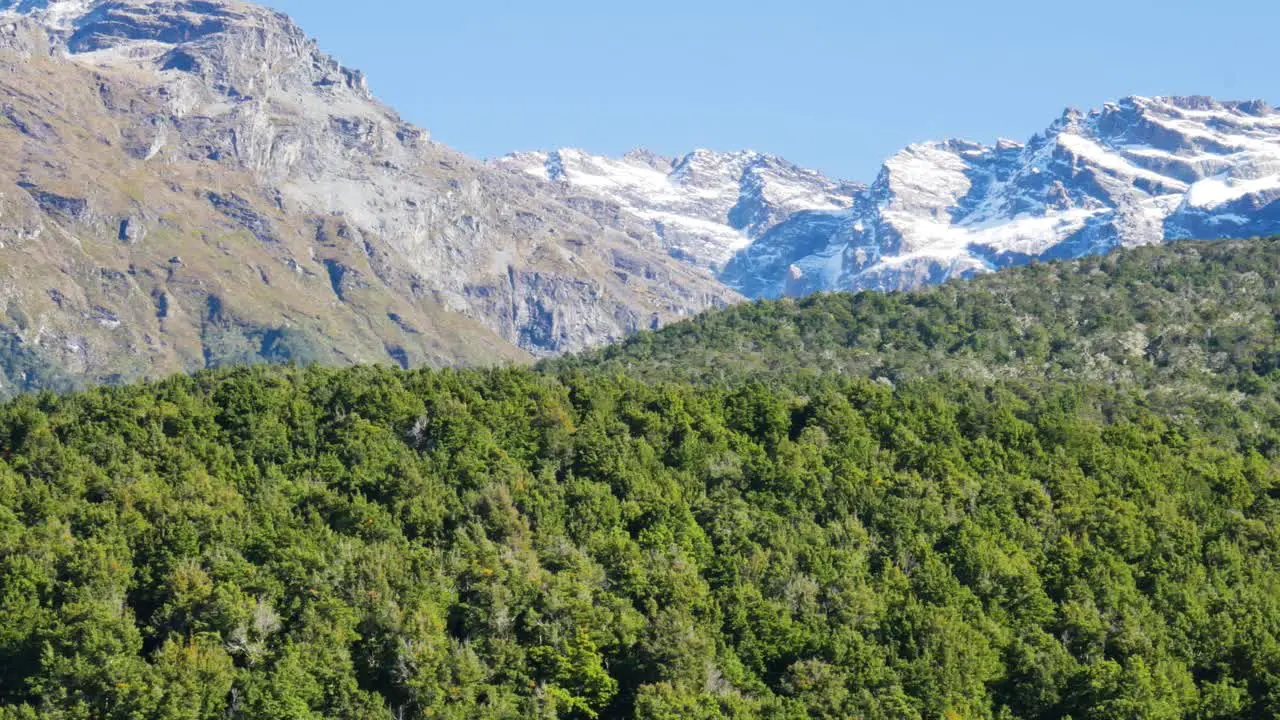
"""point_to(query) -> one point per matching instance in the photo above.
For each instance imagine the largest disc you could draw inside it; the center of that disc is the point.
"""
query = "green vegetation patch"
(370, 543)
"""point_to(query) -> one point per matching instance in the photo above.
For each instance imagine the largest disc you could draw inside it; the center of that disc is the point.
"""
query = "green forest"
(1049, 493)
(1169, 317)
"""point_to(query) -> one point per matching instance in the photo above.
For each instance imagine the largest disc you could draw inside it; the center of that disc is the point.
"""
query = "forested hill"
(1053, 493)
(1178, 316)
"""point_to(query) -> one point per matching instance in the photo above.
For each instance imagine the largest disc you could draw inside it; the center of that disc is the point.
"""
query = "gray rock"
(131, 230)
(71, 209)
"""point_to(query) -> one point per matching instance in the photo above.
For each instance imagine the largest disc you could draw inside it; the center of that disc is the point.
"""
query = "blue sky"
(836, 85)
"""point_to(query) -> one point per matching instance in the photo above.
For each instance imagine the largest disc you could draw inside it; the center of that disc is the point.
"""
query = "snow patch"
(1100, 156)
(1222, 189)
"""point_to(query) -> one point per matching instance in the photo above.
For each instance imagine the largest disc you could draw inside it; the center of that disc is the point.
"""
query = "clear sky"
(833, 84)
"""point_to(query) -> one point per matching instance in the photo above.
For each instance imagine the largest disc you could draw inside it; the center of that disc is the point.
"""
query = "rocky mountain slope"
(1140, 171)
(705, 206)
(186, 183)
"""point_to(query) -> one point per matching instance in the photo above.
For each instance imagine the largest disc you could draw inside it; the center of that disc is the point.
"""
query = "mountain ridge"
(705, 205)
(1138, 171)
(1196, 318)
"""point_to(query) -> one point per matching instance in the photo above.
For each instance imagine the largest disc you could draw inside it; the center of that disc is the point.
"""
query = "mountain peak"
(1195, 103)
(650, 158)
(704, 206)
(1137, 171)
(236, 47)
(68, 15)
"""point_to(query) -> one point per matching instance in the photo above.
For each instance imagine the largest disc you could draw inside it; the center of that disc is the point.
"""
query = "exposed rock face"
(205, 152)
(704, 206)
(1144, 170)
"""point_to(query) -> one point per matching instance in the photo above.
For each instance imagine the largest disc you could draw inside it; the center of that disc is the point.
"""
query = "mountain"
(1139, 171)
(190, 184)
(704, 206)
(185, 184)
(1136, 172)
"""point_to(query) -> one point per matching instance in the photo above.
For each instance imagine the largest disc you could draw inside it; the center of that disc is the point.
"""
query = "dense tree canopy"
(282, 543)
(989, 500)
(1177, 316)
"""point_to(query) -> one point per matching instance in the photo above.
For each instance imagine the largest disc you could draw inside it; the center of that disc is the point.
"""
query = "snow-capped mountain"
(705, 206)
(1140, 171)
